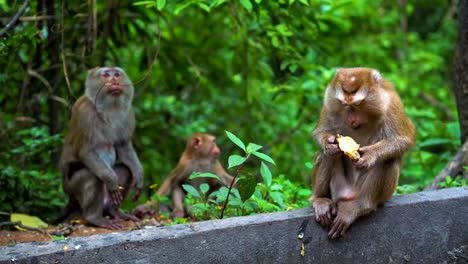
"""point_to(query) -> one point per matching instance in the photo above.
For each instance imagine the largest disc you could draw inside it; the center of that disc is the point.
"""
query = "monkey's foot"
(178, 213)
(127, 217)
(324, 210)
(339, 226)
(110, 224)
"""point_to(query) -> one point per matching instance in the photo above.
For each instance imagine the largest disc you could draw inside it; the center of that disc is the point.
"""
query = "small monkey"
(98, 162)
(200, 155)
(361, 104)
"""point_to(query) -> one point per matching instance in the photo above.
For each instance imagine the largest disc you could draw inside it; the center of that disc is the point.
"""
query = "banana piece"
(348, 146)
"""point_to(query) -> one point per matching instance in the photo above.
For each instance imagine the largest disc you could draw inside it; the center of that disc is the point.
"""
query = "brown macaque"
(98, 162)
(201, 155)
(361, 104)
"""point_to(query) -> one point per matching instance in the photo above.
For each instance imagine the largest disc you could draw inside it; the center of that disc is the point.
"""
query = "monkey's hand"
(367, 159)
(324, 210)
(331, 146)
(137, 182)
(136, 195)
(116, 196)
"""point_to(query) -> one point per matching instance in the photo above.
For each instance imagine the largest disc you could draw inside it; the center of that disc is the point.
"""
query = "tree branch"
(18, 223)
(15, 18)
(453, 168)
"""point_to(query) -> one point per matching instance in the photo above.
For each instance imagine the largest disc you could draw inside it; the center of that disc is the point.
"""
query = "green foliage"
(451, 182)
(281, 194)
(250, 196)
(27, 187)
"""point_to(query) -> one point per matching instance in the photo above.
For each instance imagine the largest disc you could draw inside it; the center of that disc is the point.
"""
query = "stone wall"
(426, 227)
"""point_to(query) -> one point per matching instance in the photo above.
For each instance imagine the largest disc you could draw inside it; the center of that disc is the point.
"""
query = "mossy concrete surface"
(426, 227)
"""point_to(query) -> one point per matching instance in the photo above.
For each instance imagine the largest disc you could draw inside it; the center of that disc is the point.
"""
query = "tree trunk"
(461, 76)
(460, 87)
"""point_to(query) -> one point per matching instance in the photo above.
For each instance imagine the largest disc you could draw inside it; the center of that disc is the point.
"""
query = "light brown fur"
(361, 104)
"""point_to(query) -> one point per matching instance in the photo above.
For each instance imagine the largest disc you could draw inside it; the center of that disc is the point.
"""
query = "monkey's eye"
(105, 74)
(117, 74)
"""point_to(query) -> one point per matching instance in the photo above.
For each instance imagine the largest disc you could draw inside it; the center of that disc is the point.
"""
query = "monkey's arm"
(95, 153)
(127, 155)
(321, 175)
(390, 147)
(223, 175)
(92, 159)
(175, 178)
(325, 134)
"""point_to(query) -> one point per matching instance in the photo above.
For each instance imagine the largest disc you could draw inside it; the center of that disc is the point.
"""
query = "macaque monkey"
(98, 162)
(361, 104)
(201, 155)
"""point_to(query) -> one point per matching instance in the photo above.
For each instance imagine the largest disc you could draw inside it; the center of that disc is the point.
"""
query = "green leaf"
(252, 147)
(190, 189)
(235, 160)
(278, 198)
(146, 3)
(196, 175)
(161, 4)
(247, 5)
(264, 157)
(27, 220)
(204, 188)
(235, 140)
(246, 186)
(266, 174)
(435, 142)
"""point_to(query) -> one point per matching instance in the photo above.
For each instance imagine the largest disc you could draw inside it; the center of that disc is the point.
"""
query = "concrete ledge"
(426, 227)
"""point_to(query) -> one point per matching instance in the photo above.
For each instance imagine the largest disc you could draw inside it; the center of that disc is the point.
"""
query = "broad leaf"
(252, 147)
(264, 157)
(246, 4)
(161, 4)
(246, 186)
(235, 160)
(27, 220)
(204, 187)
(190, 189)
(196, 175)
(266, 174)
(235, 140)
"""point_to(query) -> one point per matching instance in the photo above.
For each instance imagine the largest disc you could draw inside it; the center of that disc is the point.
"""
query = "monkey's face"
(113, 79)
(109, 85)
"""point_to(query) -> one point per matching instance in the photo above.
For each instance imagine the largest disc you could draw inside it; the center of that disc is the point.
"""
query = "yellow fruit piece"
(348, 146)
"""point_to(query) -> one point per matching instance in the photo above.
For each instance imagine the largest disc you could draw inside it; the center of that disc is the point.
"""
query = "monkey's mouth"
(115, 89)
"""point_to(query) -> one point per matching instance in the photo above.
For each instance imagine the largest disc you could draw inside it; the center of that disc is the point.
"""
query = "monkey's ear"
(376, 76)
(196, 142)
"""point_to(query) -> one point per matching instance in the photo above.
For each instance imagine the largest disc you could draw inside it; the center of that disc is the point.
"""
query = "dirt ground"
(12, 237)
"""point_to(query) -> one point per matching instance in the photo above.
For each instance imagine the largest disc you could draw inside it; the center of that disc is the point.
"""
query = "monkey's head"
(108, 85)
(352, 86)
(203, 145)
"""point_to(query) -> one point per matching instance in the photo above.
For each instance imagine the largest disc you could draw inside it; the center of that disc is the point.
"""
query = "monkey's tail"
(71, 210)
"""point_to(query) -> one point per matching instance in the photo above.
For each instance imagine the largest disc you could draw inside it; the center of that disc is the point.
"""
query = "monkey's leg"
(374, 187)
(124, 179)
(321, 199)
(178, 196)
(89, 191)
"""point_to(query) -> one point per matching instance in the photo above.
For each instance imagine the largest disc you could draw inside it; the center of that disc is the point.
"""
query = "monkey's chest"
(107, 153)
